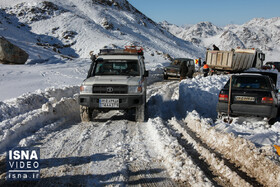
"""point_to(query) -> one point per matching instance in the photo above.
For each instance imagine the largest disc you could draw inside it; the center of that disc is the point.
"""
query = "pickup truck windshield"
(117, 67)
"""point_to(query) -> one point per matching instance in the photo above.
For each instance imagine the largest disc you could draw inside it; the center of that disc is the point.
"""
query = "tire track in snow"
(179, 165)
(239, 151)
(144, 168)
(220, 166)
(123, 141)
(85, 154)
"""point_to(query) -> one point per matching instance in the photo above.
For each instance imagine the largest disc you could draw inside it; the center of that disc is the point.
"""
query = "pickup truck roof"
(182, 59)
(129, 50)
(118, 57)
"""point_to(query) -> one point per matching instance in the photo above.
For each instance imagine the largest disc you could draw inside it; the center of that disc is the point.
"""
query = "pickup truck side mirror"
(262, 56)
(146, 74)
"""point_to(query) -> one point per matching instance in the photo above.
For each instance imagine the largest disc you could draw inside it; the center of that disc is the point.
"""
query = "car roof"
(273, 62)
(272, 75)
(248, 74)
(183, 59)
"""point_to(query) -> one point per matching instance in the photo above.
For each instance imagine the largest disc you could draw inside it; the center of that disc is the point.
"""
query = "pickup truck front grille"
(110, 89)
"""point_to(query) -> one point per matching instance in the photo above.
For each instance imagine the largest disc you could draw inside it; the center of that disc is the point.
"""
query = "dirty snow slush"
(174, 147)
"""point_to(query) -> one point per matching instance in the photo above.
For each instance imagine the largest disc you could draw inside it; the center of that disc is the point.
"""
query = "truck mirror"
(146, 74)
(262, 56)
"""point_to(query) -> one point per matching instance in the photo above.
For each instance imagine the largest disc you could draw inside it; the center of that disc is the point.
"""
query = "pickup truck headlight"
(86, 89)
(134, 89)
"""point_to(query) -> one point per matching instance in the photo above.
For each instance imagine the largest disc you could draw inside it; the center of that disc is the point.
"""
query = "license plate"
(244, 98)
(109, 103)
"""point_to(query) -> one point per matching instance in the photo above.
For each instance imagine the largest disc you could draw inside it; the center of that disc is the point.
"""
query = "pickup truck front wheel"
(86, 113)
(140, 113)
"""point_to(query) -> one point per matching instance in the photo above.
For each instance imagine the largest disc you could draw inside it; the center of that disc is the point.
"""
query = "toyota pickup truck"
(117, 80)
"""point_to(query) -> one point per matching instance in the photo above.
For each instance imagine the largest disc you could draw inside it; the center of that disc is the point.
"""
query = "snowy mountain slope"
(19, 34)
(52, 32)
(75, 28)
(258, 33)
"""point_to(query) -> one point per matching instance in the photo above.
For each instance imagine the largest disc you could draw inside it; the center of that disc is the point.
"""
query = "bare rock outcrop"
(10, 53)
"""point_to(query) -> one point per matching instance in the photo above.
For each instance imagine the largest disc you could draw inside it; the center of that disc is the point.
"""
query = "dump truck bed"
(235, 60)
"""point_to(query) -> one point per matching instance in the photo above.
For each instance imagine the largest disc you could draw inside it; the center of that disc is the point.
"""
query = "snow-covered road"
(107, 152)
(175, 147)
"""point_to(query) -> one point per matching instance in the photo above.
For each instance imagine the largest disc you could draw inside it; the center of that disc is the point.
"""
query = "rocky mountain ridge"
(257, 33)
(73, 28)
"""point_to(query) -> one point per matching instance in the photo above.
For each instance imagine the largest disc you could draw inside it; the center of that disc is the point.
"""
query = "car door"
(190, 65)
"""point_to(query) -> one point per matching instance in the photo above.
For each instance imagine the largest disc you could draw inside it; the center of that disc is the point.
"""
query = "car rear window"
(249, 82)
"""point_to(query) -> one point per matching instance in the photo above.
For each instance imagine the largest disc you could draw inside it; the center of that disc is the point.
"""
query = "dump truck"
(234, 61)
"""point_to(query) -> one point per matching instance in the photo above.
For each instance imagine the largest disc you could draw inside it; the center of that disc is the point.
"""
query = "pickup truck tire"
(140, 113)
(86, 113)
(191, 75)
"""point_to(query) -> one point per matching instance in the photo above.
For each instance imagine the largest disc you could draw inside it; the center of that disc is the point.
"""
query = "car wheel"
(140, 113)
(272, 121)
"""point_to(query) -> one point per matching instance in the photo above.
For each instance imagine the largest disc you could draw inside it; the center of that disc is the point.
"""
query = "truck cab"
(117, 80)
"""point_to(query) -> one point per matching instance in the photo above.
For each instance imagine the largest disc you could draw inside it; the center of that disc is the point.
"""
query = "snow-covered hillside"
(52, 32)
(258, 33)
(76, 27)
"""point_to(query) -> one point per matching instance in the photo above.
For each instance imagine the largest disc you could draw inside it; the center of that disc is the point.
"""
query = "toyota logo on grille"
(110, 89)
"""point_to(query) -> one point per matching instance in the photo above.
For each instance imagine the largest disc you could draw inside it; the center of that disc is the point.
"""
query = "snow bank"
(31, 101)
(163, 101)
(254, 129)
(29, 113)
(236, 149)
(201, 94)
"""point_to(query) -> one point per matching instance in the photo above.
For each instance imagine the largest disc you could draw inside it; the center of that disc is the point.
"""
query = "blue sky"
(219, 12)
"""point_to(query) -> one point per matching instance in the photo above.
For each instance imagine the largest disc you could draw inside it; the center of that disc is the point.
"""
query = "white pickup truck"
(116, 81)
